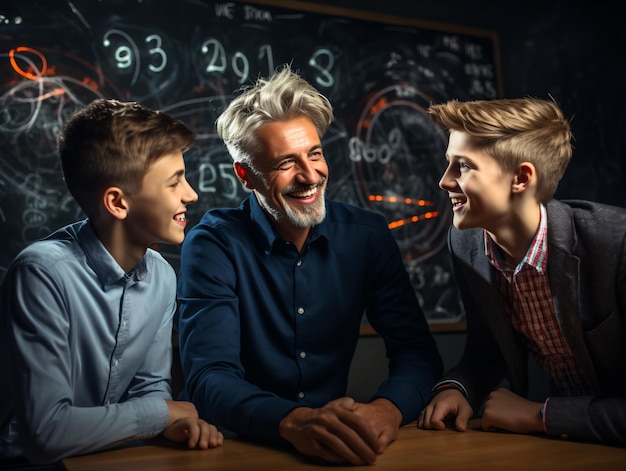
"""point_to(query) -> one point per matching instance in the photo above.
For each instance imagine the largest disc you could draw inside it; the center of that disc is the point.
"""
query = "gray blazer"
(587, 270)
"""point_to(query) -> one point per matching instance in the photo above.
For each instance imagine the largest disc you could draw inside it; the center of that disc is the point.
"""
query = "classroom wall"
(369, 367)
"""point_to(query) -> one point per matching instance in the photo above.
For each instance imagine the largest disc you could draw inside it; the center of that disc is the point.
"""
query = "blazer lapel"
(564, 273)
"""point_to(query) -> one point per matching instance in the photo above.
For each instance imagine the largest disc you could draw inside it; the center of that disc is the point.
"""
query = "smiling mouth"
(456, 202)
(304, 194)
(181, 217)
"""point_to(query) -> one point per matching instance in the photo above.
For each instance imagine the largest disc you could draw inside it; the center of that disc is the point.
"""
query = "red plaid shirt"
(525, 289)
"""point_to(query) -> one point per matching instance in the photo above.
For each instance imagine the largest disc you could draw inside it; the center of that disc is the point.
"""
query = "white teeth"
(306, 194)
(180, 217)
(456, 201)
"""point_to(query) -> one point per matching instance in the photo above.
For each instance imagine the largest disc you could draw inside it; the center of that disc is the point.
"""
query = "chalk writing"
(189, 58)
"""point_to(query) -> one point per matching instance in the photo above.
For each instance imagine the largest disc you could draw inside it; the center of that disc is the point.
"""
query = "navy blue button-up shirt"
(265, 329)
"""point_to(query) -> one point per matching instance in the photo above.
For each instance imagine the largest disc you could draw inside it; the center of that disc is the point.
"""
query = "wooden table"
(414, 450)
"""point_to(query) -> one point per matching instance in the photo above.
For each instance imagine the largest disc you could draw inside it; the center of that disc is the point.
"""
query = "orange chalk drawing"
(29, 74)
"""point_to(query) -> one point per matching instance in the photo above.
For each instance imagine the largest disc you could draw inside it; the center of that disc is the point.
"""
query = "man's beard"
(310, 216)
(306, 217)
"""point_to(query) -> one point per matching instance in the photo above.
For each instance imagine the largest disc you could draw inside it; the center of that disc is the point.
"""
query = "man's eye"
(463, 166)
(286, 165)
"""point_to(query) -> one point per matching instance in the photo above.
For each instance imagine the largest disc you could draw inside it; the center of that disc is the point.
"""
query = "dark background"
(188, 58)
(572, 51)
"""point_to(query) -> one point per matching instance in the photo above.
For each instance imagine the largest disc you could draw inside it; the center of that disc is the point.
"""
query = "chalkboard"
(189, 57)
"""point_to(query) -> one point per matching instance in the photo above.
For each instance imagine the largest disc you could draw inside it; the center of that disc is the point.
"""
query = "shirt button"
(298, 263)
(302, 354)
(300, 394)
(116, 362)
(300, 310)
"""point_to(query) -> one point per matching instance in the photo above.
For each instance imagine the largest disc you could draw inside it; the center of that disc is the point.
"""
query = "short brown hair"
(514, 131)
(112, 143)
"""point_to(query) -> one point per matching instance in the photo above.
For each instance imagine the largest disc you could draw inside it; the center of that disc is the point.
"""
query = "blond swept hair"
(285, 95)
(514, 131)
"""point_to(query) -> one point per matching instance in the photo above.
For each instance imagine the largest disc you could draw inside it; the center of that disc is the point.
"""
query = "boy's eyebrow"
(177, 174)
(457, 156)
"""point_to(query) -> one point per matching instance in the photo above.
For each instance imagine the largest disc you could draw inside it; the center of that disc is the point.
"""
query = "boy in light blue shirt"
(87, 312)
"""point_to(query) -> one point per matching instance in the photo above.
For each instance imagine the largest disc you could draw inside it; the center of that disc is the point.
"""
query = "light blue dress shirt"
(86, 347)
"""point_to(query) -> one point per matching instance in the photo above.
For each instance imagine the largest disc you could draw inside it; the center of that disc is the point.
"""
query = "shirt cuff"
(450, 381)
(544, 412)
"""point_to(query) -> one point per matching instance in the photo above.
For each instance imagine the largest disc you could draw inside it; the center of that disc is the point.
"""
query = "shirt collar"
(100, 259)
(536, 255)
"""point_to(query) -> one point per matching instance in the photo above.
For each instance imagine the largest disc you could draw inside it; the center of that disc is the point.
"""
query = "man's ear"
(525, 176)
(242, 175)
(115, 202)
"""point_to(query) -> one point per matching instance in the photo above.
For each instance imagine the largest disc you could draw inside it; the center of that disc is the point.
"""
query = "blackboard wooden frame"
(380, 72)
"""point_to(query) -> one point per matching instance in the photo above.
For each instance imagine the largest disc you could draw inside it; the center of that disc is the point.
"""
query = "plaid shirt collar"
(536, 255)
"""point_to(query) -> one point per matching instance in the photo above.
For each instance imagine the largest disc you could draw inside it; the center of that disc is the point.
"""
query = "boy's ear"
(242, 175)
(115, 202)
(525, 177)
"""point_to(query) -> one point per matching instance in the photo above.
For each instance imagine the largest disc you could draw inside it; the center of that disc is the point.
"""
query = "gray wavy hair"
(285, 95)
